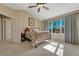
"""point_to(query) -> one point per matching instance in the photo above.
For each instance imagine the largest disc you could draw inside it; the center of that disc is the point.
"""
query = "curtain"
(71, 32)
(45, 25)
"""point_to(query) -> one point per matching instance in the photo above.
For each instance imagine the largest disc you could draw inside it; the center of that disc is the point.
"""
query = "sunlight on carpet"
(50, 48)
(55, 48)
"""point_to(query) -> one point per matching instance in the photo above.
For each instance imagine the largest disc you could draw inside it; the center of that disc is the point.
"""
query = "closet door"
(3, 30)
(0, 29)
(8, 29)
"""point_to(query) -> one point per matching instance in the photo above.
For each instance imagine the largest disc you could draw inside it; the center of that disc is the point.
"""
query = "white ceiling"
(55, 9)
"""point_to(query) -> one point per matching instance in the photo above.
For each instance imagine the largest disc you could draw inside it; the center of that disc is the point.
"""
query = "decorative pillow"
(35, 30)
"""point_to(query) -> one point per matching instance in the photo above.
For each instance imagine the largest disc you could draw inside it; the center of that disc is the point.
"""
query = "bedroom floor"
(48, 48)
(14, 49)
(54, 49)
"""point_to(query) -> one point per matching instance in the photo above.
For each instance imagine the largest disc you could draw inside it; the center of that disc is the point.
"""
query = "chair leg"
(35, 46)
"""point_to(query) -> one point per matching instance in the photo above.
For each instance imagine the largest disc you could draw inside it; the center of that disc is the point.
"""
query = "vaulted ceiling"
(55, 9)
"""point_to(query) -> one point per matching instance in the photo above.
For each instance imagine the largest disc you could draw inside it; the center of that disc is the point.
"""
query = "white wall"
(16, 35)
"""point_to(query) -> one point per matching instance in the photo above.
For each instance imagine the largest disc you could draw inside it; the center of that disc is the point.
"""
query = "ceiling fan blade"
(38, 9)
(45, 7)
(32, 6)
(40, 3)
(43, 3)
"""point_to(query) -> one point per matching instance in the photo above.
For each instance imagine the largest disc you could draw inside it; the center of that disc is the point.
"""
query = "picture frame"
(31, 21)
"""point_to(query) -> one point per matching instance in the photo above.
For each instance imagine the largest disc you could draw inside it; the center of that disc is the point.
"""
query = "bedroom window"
(57, 26)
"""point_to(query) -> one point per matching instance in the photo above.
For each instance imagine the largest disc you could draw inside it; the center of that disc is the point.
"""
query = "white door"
(6, 30)
(0, 29)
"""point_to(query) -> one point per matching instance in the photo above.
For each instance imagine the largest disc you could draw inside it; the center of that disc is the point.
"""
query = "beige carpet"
(41, 51)
(68, 50)
(14, 49)
(52, 48)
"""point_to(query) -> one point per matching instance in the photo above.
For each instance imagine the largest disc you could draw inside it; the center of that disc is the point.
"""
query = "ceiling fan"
(39, 6)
